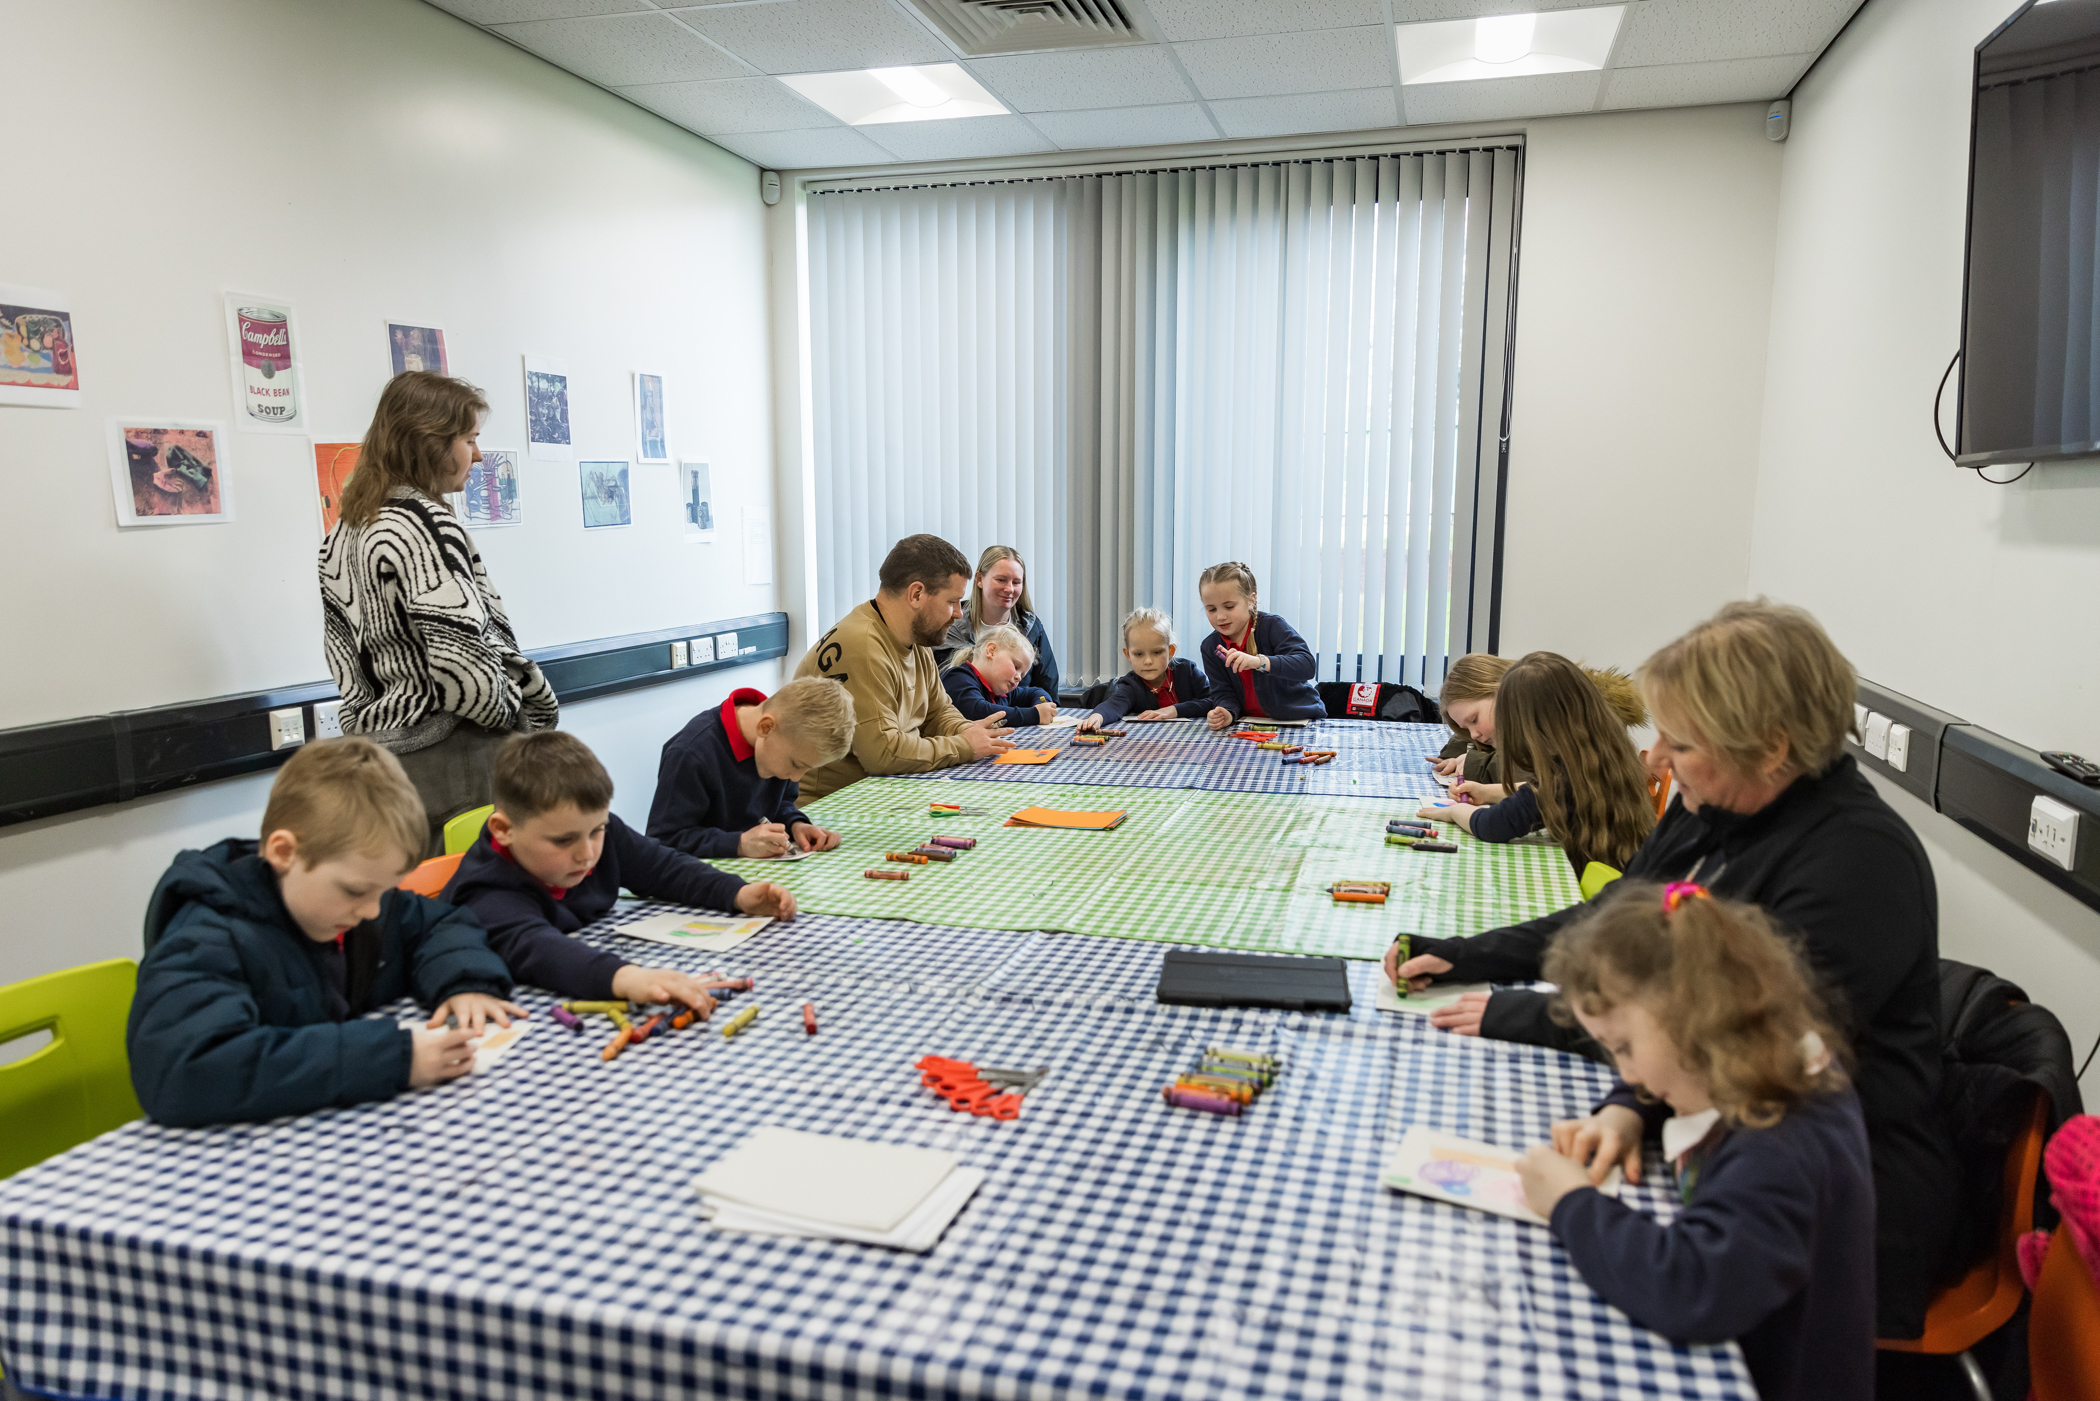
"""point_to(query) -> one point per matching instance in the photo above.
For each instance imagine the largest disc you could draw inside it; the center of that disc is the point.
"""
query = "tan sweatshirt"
(903, 719)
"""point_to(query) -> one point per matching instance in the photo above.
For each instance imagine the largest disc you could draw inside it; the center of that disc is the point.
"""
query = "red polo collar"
(739, 748)
(554, 890)
(995, 695)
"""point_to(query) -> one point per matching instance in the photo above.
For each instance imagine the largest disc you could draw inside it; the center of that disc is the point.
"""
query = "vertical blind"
(1128, 377)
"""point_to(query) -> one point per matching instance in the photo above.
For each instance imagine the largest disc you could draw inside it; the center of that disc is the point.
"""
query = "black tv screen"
(2030, 366)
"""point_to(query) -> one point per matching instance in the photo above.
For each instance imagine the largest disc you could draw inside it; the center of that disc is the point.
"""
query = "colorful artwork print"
(605, 498)
(653, 445)
(695, 485)
(547, 408)
(416, 348)
(265, 363)
(333, 463)
(169, 473)
(38, 363)
(491, 494)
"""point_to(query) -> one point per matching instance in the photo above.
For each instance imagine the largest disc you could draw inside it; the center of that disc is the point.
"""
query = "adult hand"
(1419, 971)
(1609, 1138)
(1463, 1016)
(1045, 712)
(646, 986)
(1219, 717)
(985, 738)
(810, 837)
(473, 1011)
(1090, 721)
(762, 897)
(439, 1056)
(766, 839)
(1548, 1177)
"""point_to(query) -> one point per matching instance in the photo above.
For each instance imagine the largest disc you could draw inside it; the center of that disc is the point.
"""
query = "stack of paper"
(782, 1182)
(1075, 821)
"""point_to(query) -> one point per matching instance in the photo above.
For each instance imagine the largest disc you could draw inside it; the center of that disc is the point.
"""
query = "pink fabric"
(2072, 1161)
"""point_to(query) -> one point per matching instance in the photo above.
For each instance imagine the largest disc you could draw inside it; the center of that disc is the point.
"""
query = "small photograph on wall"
(698, 500)
(38, 366)
(491, 495)
(414, 347)
(169, 471)
(333, 463)
(547, 409)
(652, 442)
(605, 498)
(266, 391)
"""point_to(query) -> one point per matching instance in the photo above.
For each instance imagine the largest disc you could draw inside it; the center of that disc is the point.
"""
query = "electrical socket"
(1899, 748)
(701, 650)
(328, 719)
(2052, 831)
(1859, 721)
(677, 655)
(725, 645)
(1877, 737)
(287, 728)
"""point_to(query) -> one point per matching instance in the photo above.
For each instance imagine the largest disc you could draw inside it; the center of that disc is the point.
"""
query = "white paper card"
(920, 1231)
(1428, 1000)
(495, 1041)
(711, 933)
(819, 1179)
(1447, 1168)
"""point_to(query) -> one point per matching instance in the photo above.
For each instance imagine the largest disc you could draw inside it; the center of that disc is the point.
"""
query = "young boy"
(1159, 685)
(553, 858)
(262, 957)
(728, 781)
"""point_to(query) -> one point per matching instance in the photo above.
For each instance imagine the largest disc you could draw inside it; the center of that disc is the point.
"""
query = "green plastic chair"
(1595, 877)
(80, 1084)
(465, 830)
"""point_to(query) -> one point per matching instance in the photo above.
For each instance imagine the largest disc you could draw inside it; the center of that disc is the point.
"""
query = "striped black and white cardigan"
(416, 636)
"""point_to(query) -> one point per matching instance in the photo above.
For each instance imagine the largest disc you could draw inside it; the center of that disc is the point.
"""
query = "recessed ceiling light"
(1507, 46)
(926, 92)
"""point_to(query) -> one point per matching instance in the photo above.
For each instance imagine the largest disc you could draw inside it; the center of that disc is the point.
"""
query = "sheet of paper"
(1422, 1003)
(498, 1039)
(826, 1180)
(1059, 723)
(920, 1231)
(1447, 1168)
(713, 933)
(1077, 821)
(1026, 756)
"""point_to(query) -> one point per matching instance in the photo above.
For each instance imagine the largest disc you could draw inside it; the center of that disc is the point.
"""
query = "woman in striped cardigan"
(416, 636)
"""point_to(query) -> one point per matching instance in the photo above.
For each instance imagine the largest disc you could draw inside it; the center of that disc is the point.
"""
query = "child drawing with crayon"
(1159, 684)
(1257, 663)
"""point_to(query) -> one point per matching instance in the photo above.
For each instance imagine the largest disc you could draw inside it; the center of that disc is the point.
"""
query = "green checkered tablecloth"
(1232, 870)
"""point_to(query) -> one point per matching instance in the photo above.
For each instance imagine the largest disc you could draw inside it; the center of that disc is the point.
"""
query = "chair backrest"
(2063, 1327)
(1596, 876)
(464, 830)
(430, 877)
(79, 1085)
(1659, 790)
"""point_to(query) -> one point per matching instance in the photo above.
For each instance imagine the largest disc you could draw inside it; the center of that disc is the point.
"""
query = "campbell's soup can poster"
(265, 364)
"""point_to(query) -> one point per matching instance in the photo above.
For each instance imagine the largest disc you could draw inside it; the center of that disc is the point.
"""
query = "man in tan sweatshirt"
(881, 653)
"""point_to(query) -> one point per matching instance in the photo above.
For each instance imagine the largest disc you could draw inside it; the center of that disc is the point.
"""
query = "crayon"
(1197, 1099)
(906, 857)
(595, 1006)
(1111, 734)
(1435, 846)
(1216, 1085)
(809, 1019)
(1401, 824)
(738, 1022)
(934, 853)
(1232, 1070)
(1272, 744)
(741, 985)
(1358, 897)
(684, 1019)
(1088, 739)
(566, 1017)
(1292, 759)
(959, 843)
(619, 1019)
(1254, 1058)
(648, 1028)
(617, 1044)
(880, 874)
(1403, 838)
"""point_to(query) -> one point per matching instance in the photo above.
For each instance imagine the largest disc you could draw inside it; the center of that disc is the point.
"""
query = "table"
(531, 1233)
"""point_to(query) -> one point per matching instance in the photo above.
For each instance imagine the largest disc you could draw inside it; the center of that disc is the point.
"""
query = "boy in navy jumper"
(262, 958)
(984, 679)
(728, 781)
(1710, 1014)
(1257, 663)
(553, 858)
(1159, 685)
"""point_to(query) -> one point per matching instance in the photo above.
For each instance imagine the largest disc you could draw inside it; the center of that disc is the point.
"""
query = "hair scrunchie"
(1679, 891)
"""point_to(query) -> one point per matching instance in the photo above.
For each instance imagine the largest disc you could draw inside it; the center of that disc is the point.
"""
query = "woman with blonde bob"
(1752, 710)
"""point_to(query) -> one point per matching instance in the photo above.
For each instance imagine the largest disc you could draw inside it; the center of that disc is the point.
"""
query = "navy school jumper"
(975, 700)
(1131, 696)
(1286, 690)
(708, 789)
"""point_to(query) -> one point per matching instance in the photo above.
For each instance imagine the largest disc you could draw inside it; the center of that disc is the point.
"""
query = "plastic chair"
(1979, 1303)
(1596, 876)
(79, 1085)
(2063, 1327)
(1659, 789)
(431, 877)
(464, 830)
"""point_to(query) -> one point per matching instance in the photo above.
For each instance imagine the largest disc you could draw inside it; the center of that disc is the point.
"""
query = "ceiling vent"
(980, 27)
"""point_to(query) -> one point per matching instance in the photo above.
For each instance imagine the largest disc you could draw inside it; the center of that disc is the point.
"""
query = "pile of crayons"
(1225, 1081)
(936, 850)
(1360, 892)
(1419, 835)
(629, 1032)
(1312, 756)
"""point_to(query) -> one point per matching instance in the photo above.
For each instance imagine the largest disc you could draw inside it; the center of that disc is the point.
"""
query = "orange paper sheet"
(1077, 821)
(1026, 756)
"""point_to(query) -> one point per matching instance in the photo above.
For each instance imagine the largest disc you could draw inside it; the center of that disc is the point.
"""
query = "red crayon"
(809, 1018)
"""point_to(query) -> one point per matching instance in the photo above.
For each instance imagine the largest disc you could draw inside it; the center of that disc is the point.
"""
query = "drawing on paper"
(605, 498)
(491, 495)
(416, 348)
(169, 473)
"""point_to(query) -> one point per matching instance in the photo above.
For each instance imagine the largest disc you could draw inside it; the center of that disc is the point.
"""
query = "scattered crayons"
(909, 858)
(879, 874)
(738, 1022)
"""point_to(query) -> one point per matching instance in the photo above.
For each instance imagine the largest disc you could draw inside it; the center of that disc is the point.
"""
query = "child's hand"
(1462, 1017)
(766, 839)
(1219, 717)
(985, 739)
(1090, 721)
(1045, 712)
(1548, 1177)
(1609, 1138)
(1245, 661)
(765, 898)
(645, 986)
(1420, 971)
(439, 1056)
(1481, 793)
(1438, 812)
(1446, 766)
(1166, 712)
(811, 837)
(474, 1009)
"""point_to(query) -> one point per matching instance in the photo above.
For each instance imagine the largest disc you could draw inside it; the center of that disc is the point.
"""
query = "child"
(1257, 664)
(1711, 1015)
(984, 678)
(553, 858)
(262, 958)
(1468, 702)
(1589, 790)
(728, 781)
(1159, 685)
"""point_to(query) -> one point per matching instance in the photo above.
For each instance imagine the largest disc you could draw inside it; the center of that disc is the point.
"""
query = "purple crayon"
(1196, 1099)
(958, 843)
(566, 1017)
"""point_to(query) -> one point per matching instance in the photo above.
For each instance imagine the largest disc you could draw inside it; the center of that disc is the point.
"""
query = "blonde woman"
(999, 594)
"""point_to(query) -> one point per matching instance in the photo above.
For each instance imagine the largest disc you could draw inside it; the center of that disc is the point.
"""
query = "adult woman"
(1752, 708)
(999, 594)
(416, 636)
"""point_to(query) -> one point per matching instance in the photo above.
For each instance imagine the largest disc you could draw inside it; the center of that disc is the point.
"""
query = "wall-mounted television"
(2030, 364)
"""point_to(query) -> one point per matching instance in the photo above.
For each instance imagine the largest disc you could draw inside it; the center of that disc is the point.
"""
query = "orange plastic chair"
(2063, 1327)
(1659, 789)
(1978, 1304)
(430, 877)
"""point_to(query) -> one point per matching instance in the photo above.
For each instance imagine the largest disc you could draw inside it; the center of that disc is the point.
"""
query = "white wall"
(362, 159)
(1970, 597)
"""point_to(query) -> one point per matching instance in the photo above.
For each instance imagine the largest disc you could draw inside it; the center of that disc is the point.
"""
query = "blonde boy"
(729, 780)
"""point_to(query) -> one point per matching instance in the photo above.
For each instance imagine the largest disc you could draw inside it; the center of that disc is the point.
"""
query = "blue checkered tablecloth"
(531, 1232)
(1376, 759)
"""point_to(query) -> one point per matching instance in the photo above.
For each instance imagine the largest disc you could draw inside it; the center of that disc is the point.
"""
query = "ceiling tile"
(1702, 31)
(517, 11)
(1228, 19)
(1061, 82)
(1415, 11)
(1695, 84)
(1312, 111)
(730, 105)
(1127, 126)
(1327, 60)
(958, 138)
(624, 49)
(1538, 96)
(817, 36)
(805, 150)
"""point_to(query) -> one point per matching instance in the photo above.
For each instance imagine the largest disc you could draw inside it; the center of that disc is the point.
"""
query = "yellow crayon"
(619, 1018)
(738, 1022)
(595, 1006)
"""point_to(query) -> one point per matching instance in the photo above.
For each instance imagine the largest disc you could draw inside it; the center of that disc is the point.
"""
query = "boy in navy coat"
(262, 957)
(728, 781)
